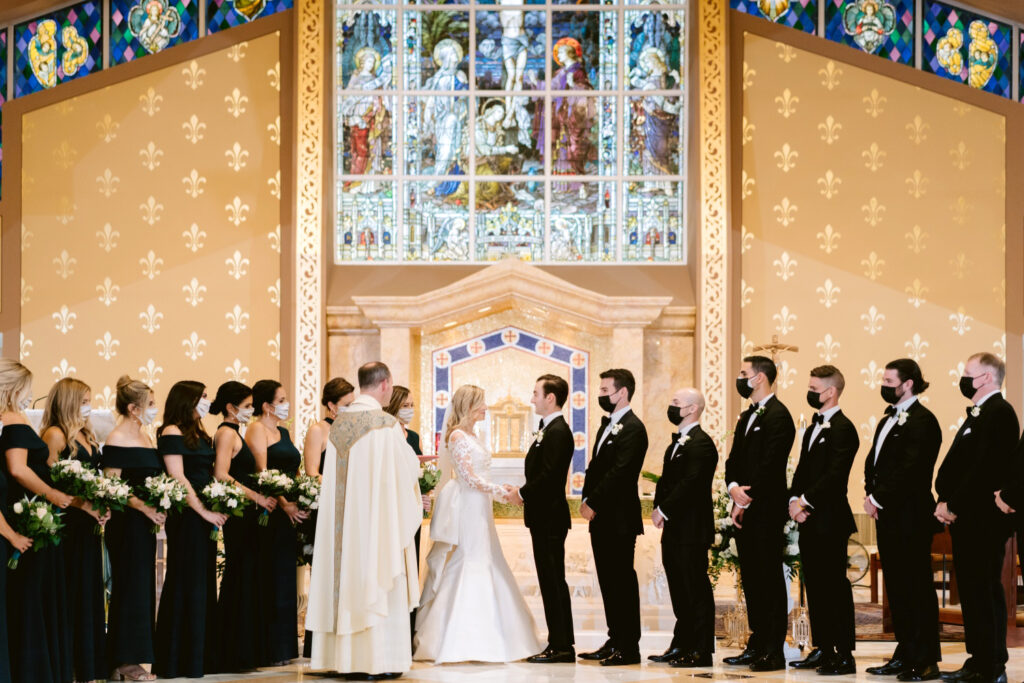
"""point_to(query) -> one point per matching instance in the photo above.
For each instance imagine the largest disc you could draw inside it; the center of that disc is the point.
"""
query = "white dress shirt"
(825, 417)
(683, 431)
(545, 421)
(746, 430)
(886, 428)
(614, 420)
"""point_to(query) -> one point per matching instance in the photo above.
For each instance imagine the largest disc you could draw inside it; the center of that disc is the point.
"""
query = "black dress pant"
(620, 590)
(764, 586)
(549, 558)
(978, 562)
(829, 593)
(693, 599)
(905, 550)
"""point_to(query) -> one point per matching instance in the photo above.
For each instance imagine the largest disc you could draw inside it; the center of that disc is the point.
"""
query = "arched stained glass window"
(547, 131)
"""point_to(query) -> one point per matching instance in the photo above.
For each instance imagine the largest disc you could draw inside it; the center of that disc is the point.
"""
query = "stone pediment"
(510, 284)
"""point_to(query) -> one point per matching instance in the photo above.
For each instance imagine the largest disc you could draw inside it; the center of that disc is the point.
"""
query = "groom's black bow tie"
(890, 411)
(817, 419)
(605, 420)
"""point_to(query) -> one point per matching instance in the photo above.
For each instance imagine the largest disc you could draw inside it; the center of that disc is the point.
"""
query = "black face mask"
(967, 387)
(606, 403)
(674, 415)
(889, 395)
(743, 388)
(814, 399)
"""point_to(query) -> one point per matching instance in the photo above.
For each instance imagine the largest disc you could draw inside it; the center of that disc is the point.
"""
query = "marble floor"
(868, 654)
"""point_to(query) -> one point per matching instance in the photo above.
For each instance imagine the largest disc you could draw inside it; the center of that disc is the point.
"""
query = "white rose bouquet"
(272, 483)
(108, 493)
(73, 477)
(38, 520)
(307, 492)
(224, 499)
(163, 493)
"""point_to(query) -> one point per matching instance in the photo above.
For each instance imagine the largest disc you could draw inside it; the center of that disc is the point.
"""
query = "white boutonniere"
(760, 411)
(975, 411)
(616, 428)
(902, 419)
(538, 436)
(683, 439)
(826, 425)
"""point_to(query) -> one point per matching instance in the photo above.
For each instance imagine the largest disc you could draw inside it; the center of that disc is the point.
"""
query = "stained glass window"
(967, 47)
(471, 132)
(144, 27)
(3, 93)
(799, 14)
(881, 27)
(58, 47)
(222, 14)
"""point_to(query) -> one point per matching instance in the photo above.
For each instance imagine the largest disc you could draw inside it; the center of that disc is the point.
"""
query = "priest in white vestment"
(364, 580)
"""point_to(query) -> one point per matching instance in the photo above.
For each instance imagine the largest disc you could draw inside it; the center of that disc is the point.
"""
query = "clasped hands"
(943, 514)
(1002, 505)
(797, 512)
(512, 494)
(739, 498)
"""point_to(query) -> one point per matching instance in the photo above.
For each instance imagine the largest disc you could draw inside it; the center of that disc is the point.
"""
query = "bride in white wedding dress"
(471, 609)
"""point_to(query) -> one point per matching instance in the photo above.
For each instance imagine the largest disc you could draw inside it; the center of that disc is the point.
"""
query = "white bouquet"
(224, 498)
(272, 483)
(38, 520)
(73, 477)
(307, 492)
(164, 493)
(108, 493)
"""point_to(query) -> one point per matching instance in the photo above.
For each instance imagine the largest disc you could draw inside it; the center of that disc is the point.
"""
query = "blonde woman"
(39, 632)
(471, 608)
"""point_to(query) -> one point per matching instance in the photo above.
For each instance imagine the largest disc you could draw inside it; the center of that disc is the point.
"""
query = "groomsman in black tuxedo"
(611, 503)
(684, 511)
(756, 472)
(818, 503)
(1010, 499)
(898, 483)
(546, 513)
(979, 463)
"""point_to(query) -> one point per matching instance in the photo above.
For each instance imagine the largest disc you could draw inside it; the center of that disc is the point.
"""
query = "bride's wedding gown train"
(471, 609)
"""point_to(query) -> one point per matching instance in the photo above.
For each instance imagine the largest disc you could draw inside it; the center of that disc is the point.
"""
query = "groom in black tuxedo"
(611, 503)
(546, 513)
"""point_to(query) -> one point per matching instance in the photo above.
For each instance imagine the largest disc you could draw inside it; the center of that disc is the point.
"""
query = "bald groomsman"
(978, 464)
(683, 509)
(756, 472)
(819, 504)
(898, 483)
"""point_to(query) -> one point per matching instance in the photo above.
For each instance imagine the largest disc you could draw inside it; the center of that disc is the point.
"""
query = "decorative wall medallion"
(154, 24)
(869, 23)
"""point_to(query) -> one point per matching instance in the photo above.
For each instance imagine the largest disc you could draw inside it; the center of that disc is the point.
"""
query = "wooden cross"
(775, 348)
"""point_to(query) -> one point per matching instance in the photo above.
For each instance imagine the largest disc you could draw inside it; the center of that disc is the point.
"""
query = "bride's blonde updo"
(467, 399)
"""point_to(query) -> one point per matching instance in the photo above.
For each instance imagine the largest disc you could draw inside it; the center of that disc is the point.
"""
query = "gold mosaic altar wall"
(873, 227)
(152, 240)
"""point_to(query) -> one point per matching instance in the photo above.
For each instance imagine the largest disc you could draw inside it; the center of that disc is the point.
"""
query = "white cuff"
(731, 486)
(663, 516)
(803, 501)
(874, 502)
(741, 507)
(792, 498)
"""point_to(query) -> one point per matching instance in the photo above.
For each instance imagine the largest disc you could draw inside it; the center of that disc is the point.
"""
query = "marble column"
(628, 353)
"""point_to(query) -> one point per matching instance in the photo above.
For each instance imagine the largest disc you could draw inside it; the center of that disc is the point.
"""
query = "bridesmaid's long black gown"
(238, 617)
(39, 628)
(308, 529)
(5, 665)
(185, 636)
(277, 547)
(132, 548)
(83, 572)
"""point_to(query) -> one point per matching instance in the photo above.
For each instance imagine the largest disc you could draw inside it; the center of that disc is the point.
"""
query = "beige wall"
(151, 240)
(873, 227)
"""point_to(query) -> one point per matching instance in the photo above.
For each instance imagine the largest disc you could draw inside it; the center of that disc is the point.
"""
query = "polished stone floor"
(868, 654)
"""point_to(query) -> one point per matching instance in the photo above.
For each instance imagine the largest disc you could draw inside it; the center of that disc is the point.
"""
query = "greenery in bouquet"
(109, 493)
(272, 483)
(39, 521)
(307, 492)
(165, 494)
(304, 545)
(73, 477)
(224, 499)
(429, 476)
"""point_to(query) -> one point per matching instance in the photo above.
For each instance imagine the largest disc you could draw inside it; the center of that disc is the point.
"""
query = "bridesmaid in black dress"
(129, 453)
(185, 634)
(65, 429)
(39, 628)
(337, 394)
(238, 616)
(273, 449)
(17, 542)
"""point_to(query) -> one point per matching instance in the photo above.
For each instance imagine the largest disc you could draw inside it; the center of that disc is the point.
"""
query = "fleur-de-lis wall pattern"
(151, 234)
(870, 229)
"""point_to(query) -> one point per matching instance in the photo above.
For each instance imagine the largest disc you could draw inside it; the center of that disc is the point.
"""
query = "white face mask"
(203, 408)
(25, 403)
(406, 415)
(281, 411)
(148, 415)
(245, 414)
(85, 412)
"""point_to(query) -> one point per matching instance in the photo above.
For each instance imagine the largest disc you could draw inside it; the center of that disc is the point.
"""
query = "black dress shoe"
(774, 662)
(603, 652)
(620, 658)
(924, 672)
(692, 661)
(553, 656)
(838, 665)
(893, 667)
(978, 677)
(744, 658)
(669, 655)
(816, 658)
(958, 675)
(372, 677)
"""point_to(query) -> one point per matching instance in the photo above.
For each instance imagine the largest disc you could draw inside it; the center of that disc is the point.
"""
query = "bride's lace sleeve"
(461, 452)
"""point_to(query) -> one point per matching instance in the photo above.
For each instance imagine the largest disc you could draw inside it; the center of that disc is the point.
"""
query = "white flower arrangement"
(975, 411)
(616, 428)
(826, 425)
(272, 483)
(683, 438)
(163, 493)
(307, 492)
(538, 436)
(224, 498)
(902, 418)
(760, 411)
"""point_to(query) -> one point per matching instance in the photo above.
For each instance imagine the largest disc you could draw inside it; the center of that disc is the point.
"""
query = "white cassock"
(364, 582)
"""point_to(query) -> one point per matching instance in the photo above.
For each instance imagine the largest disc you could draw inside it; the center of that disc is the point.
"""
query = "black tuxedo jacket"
(610, 486)
(547, 469)
(823, 474)
(683, 493)
(758, 459)
(979, 463)
(901, 477)
(1013, 492)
